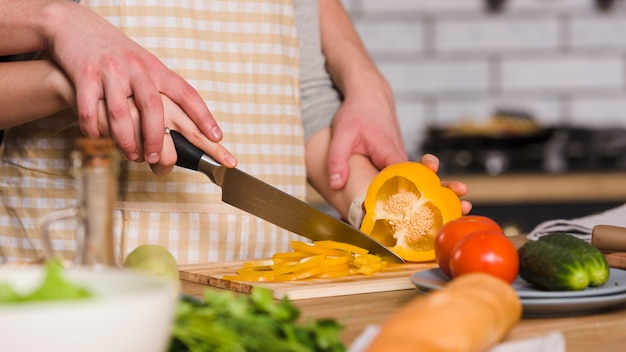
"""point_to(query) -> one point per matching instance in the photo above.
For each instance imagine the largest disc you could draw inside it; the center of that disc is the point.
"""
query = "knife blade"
(267, 202)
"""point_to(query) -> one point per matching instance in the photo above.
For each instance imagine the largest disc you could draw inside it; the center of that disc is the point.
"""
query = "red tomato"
(453, 231)
(488, 252)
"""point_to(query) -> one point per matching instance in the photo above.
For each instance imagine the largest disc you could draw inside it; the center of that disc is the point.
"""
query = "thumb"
(338, 153)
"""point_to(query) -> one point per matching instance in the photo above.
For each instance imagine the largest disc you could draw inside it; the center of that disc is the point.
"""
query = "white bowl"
(128, 312)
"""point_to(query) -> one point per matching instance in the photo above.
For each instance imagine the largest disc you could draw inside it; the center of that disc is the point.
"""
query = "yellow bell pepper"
(404, 208)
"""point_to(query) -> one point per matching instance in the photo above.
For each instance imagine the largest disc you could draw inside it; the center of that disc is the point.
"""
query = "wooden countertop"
(570, 187)
(536, 187)
(593, 332)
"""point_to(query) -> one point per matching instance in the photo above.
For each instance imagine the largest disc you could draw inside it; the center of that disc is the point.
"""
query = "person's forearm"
(31, 90)
(346, 57)
(362, 172)
(28, 25)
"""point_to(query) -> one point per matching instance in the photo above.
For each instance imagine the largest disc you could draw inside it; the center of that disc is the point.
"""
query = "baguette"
(471, 313)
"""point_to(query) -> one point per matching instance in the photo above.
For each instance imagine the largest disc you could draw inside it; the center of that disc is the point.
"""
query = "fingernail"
(335, 180)
(230, 160)
(216, 133)
(132, 156)
(430, 158)
(152, 158)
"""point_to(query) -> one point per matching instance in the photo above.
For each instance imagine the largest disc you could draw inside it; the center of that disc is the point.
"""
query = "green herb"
(225, 322)
(53, 287)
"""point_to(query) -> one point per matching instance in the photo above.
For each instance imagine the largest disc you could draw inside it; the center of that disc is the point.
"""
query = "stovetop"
(559, 150)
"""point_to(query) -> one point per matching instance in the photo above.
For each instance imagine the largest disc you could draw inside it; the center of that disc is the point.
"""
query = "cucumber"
(549, 267)
(593, 260)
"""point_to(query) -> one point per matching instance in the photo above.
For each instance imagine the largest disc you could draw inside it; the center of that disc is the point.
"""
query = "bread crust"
(473, 312)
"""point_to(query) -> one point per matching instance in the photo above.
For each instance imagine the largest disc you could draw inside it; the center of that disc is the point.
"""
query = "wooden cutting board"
(395, 277)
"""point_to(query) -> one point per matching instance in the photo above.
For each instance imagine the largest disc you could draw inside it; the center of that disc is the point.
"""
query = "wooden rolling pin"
(611, 240)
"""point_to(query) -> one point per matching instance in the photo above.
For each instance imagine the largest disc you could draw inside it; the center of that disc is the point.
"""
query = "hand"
(107, 66)
(175, 119)
(366, 124)
(432, 162)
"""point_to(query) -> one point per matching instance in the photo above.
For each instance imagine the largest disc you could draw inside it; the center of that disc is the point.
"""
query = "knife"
(258, 198)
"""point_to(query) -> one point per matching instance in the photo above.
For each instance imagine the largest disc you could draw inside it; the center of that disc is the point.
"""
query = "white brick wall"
(563, 60)
(498, 34)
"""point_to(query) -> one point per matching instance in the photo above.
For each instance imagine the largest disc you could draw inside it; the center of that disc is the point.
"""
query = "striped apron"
(242, 56)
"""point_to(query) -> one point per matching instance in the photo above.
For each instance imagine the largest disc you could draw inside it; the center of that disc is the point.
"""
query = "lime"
(154, 259)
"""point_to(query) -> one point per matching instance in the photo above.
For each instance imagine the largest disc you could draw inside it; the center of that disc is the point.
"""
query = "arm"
(366, 122)
(365, 136)
(361, 175)
(104, 64)
(22, 26)
(43, 82)
(22, 83)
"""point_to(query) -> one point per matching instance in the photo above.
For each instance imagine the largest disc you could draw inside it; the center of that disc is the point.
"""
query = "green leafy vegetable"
(226, 322)
(7, 293)
(53, 287)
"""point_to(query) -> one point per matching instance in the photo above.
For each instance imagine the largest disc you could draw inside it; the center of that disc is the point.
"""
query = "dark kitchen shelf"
(495, 6)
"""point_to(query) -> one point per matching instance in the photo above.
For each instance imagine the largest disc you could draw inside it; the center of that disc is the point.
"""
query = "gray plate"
(538, 302)
(571, 306)
(435, 278)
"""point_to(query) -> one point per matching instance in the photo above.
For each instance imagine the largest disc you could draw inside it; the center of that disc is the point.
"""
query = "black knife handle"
(188, 154)
(193, 158)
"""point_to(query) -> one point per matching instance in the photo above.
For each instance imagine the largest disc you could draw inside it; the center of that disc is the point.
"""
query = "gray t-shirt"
(320, 98)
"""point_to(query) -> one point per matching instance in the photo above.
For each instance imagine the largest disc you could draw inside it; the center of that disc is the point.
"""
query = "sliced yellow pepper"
(335, 274)
(320, 259)
(310, 248)
(310, 272)
(341, 246)
(290, 255)
(258, 263)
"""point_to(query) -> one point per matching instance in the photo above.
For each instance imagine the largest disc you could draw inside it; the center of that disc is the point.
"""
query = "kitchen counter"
(543, 187)
(594, 332)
